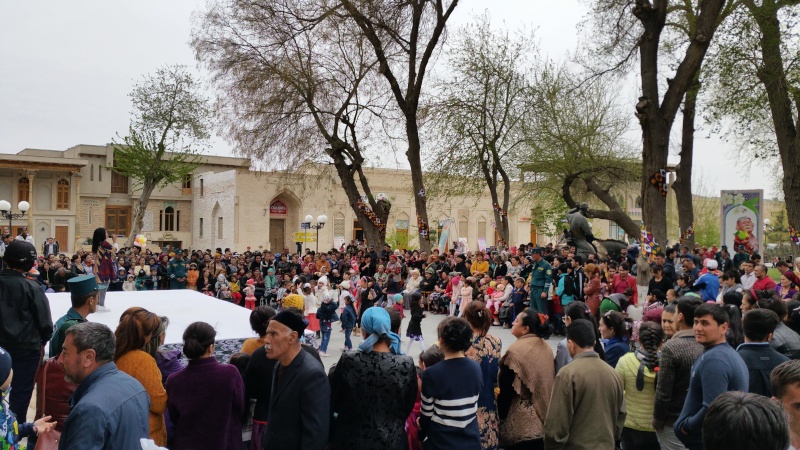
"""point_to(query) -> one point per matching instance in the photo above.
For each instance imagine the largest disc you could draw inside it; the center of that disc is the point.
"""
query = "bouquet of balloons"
(140, 241)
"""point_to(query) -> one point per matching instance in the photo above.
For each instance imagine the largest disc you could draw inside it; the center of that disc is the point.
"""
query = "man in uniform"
(177, 272)
(541, 277)
(580, 230)
(83, 292)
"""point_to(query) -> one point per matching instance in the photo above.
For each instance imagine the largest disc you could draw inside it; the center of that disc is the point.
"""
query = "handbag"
(49, 440)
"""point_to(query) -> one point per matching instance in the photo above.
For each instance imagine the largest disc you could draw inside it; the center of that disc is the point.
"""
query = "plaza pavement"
(429, 325)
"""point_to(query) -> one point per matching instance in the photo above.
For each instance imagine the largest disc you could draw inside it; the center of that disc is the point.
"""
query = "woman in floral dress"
(485, 351)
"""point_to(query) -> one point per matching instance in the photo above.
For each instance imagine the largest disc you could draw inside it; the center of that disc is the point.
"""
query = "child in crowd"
(671, 296)
(191, 277)
(116, 285)
(152, 281)
(224, 293)
(326, 314)
(414, 330)
(249, 295)
(397, 304)
(129, 284)
(310, 308)
(427, 359)
(348, 320)
(236, 290)
(11, 430)
(141, 279)
(283, 291)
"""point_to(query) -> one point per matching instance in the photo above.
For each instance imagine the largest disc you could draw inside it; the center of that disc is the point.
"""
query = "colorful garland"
(423, 228)
(686, 233)
(649, 244)
(501, 211)
(659, 181)
(794, 234)
(364, 208)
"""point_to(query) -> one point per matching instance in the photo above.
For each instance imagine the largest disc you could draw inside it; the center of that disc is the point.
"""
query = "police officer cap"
(537, 251)
(80, 287)
(20, 255)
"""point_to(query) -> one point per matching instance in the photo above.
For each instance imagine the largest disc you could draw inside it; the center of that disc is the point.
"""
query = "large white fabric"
(182, 307)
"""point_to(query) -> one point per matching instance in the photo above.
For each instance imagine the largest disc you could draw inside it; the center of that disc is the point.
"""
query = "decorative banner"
(659, 181)
(482, 244)
(444, 235)
(423, 228)
(742, 220)
(794, 234)
(364, 208)
(501, 211)
(421, 193)
(649, 244)
(686, 233)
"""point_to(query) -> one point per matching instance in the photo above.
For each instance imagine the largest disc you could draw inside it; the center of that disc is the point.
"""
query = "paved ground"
(429, 325)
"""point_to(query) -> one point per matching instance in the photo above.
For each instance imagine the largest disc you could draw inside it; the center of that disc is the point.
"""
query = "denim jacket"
(109, 410)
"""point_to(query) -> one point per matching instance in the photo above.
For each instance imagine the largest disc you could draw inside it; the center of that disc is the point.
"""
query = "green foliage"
(170, 125)
(400, 238)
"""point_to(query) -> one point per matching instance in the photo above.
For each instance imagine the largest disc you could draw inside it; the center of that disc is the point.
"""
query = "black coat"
(299, 406)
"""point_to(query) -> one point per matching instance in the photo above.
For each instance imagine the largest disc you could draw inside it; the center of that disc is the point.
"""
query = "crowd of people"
(630, 374)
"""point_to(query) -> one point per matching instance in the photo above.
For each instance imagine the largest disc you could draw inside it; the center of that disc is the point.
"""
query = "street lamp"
(5, 210)
(321, 220)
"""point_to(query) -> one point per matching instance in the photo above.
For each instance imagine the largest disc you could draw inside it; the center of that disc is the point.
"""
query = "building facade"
(227, 205)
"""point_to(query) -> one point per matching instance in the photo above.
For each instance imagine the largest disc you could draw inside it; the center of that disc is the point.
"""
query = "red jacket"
(619, 286)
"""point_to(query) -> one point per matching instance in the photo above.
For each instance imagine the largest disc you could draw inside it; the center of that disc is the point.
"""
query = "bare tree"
(404, 36)
(296, 84)
(170, 125)
(627, 26)
(481, 115)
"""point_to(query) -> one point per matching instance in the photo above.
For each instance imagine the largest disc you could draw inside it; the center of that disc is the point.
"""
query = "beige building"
(72, 192)
(225, 204)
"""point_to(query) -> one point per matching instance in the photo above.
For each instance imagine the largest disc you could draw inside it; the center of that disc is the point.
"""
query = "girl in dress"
(414, 330)
(249, 295)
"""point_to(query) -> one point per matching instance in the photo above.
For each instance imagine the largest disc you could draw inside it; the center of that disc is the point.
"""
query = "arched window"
(62, 194)
(24, 190)
(168, 219)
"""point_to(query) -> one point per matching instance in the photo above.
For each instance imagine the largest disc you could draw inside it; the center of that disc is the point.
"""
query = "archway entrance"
(284, 220)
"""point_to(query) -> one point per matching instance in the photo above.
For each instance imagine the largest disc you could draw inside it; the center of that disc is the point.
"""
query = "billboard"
(742, 220)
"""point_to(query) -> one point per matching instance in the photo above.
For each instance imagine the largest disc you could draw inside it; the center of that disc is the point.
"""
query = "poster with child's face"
(742, 220)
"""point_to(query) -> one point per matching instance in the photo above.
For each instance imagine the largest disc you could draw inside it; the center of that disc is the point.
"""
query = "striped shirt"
(450, 391)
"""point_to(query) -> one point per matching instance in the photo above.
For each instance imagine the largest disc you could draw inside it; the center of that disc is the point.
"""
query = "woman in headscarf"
(526, 383)
(373, 390)
(485, 350)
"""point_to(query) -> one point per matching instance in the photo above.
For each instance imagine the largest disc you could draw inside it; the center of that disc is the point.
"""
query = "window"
(615, 232)
(187, 181)
(219, 228)
(201, 187)
(201, 227)
(91, 172)
(24, 190)
(178, 220)
(118, 220)
(166, 220)
(119, 183)
(62, 195)
(99, 173)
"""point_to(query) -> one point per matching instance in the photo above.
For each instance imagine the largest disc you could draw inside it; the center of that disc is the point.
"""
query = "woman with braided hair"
(638, 372)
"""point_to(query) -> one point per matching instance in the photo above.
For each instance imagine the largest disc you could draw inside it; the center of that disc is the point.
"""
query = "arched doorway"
(284, 221)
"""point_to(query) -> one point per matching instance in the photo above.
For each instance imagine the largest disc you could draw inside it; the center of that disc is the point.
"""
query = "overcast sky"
(66, 69)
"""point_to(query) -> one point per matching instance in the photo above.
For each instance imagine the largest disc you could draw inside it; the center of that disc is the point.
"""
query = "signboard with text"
(278, 209)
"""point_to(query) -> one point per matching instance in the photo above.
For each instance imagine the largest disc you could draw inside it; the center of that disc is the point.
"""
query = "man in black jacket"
(758, 356)
(299, 404)
(25, 321)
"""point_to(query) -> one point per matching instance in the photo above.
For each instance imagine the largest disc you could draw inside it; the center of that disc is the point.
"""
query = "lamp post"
(5, 210)
(321, 220)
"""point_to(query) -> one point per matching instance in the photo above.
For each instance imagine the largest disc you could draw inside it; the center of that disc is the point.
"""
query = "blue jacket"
(719, 369)
(565, 299)
(709, 286)
(614, 349)
(349, 317)
(109, 410)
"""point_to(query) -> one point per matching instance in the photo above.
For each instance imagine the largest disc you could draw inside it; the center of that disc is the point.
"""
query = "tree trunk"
(420, 196)
(373, 234)
(139, 208)
(772, 75)
(683, 173)
(656, 119)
